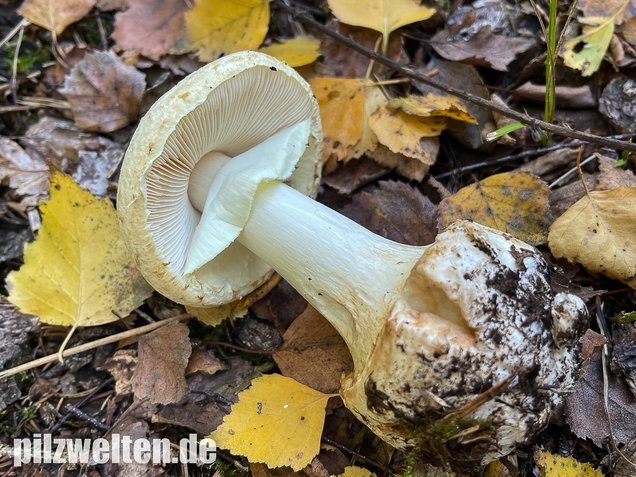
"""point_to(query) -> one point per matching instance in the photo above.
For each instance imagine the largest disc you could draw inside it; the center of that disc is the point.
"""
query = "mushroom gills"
(229, 197)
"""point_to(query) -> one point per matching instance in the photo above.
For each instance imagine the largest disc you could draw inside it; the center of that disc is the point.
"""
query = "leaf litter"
(386, 139)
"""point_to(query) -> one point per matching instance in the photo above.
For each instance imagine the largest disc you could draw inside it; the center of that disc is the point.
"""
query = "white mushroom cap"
(243, 102)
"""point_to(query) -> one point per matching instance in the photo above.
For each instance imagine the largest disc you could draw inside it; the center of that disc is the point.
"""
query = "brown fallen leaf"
(617, 103)
(104, 92)
(162, 361)
(512, 202)
(585, 410)
(55, 15)
(149, 27)
(599, 232)
(339, 60)
(396, 211)
(355, 174)
(314, 354)
(611, 177)
(484, 49)
(204, 361)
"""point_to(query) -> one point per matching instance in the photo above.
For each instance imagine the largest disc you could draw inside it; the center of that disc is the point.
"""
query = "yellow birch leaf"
(355, 471)
(433, 105)
(599, 232)
(551, 465)
(383, 16)
(78, 271)
(216, 27)
(341, 102)
(586, 51)
(277, 421)
(402, 133)
(513, 202)
(55, 15)
(299, 51)
(373, 99)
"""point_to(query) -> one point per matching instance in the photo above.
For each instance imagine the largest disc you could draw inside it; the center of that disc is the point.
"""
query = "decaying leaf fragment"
(599, 232)
(55, 15)
(277, 421)
(512, 202)
(104, 92)
(78, 271)
(299, 51)
(148, 27)
(216, 27)
(586, 51)
(162, 360)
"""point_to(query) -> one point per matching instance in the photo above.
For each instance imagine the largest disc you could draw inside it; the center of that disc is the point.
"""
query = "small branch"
(91, 345)
(302, 16)
(520, 155)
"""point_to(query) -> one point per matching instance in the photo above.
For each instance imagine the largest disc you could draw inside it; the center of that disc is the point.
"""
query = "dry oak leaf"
(104, 92)
(277, 421)
(151, 28)
(355, 471)
(551, 465)
(586, 51)
(216, 27)
(341, 102)
(78, 271)
(162, 358)
(599, 232)
(432, 105)
(314, 353)
(403, 133)
(55, 15)
(383, 16)
(513, 202)
(299, 51)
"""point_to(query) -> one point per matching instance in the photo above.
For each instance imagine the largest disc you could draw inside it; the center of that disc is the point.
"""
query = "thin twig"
(91, 345)
(363, 458)
(477, 100)
(520, 155)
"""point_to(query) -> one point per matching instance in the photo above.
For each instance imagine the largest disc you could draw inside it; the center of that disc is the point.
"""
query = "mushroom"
(216, 192)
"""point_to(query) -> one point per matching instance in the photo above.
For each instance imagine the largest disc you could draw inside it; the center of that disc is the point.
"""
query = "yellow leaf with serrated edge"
(586, 51)
(512, 202)
(354, 471)
(599, 232)
(383, 16)
(299, 51)
(341, 102)
(551, 465)
(78, 271)
(277, 421)
(55, 15)
(216, 27)
(433, 105)
(402, 133)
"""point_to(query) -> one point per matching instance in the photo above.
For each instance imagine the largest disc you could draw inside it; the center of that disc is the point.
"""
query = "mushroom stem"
(350, 275)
